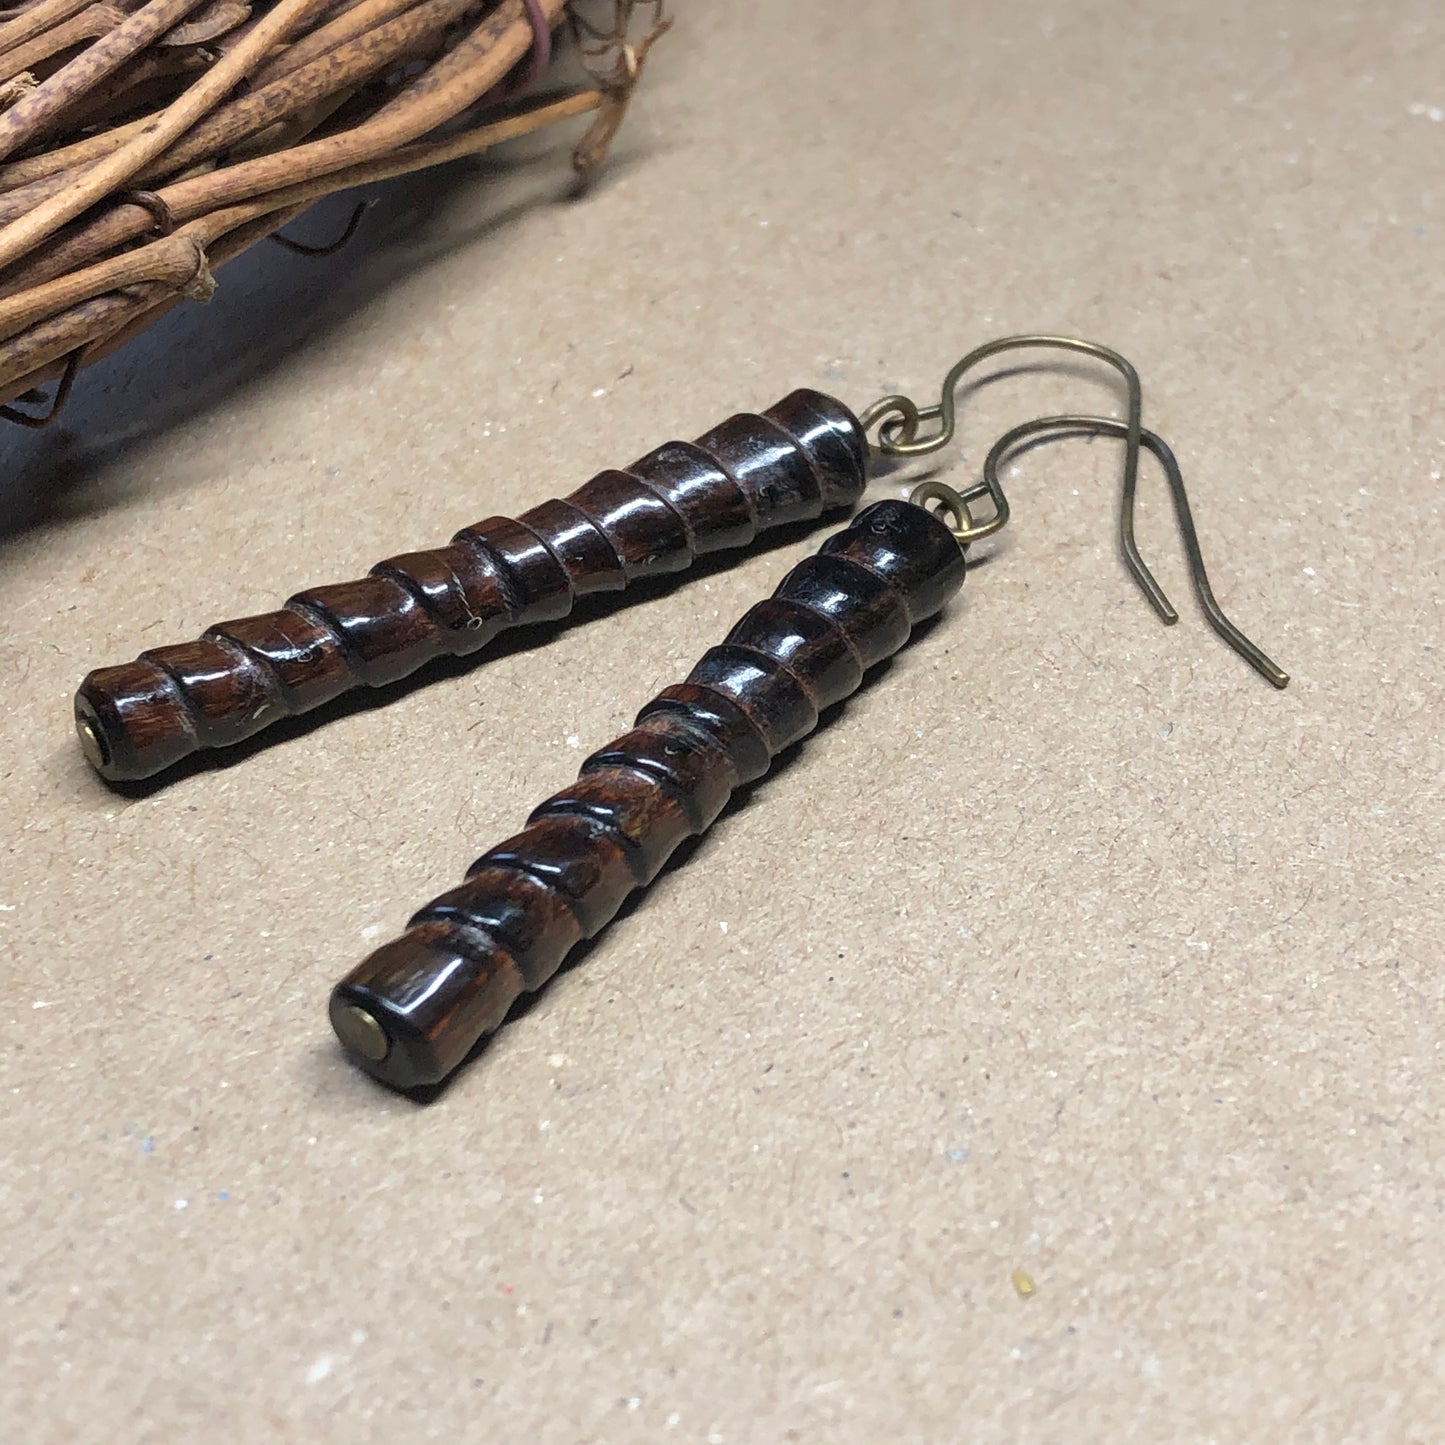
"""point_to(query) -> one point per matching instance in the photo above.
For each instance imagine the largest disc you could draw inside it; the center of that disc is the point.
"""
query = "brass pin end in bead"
(951, 506)
(360, 1032)
(92, 744)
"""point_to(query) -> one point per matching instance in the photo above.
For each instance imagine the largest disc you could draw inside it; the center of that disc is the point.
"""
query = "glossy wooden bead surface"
(414, 1009)
(685, 499)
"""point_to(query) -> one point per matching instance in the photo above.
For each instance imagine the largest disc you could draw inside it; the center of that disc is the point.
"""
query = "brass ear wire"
(897, 436)
(1250, 651)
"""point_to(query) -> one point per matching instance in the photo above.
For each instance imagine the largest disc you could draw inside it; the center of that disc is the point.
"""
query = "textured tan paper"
(1068, 947)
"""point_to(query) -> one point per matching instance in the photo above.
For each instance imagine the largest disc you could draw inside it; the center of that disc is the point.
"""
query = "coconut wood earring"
(793, 462)
(413, 1010)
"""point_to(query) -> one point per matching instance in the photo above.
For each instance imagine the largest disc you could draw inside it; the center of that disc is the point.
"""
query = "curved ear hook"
(1110, 426)
(898, 437)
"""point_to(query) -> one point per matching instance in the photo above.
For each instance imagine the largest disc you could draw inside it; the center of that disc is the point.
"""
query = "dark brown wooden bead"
(383, 631)
(641, 811)
(897, 542)
(827, 436)
(647, 534)
(462, 588)
(680, 501)
(516, 909)
(588, 866)
(769, 466)
(228, 687)
(300, 652)
(721, 719)
(136, 723)
(871, 614)
(693, 764)
(584, 850)
(814, 648)
(579, 544)
(439, 988)
(771, 694)
(715, 509)
(535, 585)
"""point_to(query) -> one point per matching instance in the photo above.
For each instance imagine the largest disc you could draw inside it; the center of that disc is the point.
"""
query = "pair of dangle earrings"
(413, 1010)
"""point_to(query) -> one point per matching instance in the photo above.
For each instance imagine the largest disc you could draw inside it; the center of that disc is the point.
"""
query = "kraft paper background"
(1068, 947)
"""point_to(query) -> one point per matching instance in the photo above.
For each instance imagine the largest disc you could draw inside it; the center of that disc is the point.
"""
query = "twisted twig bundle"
(145, 142)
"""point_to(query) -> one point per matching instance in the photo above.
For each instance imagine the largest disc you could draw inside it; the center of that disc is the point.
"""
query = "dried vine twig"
(140, 151)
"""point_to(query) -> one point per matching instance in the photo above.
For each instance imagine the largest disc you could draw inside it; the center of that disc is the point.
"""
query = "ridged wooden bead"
(681, 501)
(531, 899)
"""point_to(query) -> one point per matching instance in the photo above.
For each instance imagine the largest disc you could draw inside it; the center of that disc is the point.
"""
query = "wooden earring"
(682, 501)
(413, 1010)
